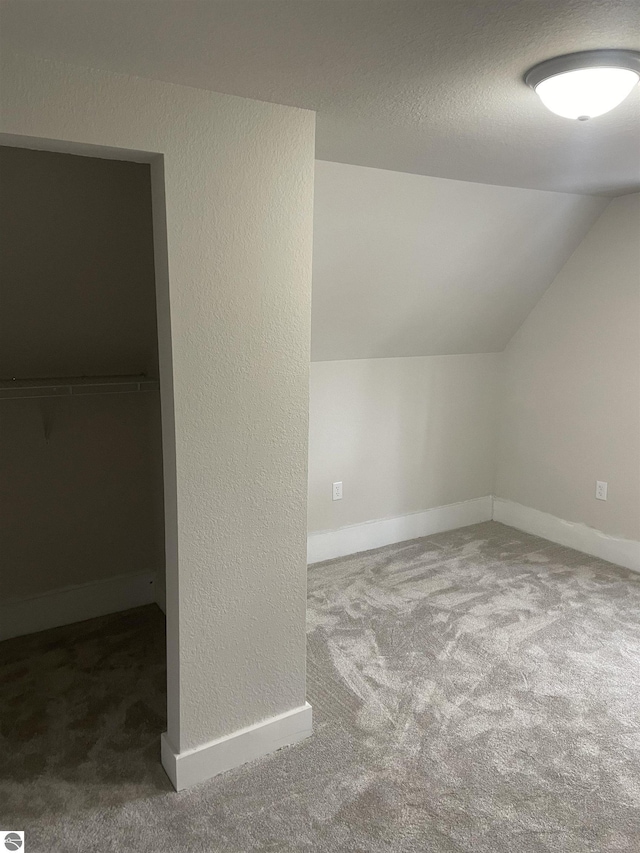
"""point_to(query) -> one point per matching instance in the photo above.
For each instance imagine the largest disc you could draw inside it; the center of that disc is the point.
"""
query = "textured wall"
(402, 434)
(410, 265)
(238, 178)
(572, 385)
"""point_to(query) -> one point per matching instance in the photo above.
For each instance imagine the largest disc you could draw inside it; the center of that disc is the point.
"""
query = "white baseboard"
(197, 765)
(623, 552)
(388, 531)
(57, 607)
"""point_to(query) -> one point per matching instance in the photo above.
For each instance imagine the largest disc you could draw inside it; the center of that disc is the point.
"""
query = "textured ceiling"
(409, 265)
(431, 87)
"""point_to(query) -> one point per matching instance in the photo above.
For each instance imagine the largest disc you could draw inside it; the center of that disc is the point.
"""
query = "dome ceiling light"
(587, 84)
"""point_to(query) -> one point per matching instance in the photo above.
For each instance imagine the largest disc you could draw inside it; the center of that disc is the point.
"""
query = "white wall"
(571, 412)
(402, 434)
(407, 265)
(418, 283)
(238, 180)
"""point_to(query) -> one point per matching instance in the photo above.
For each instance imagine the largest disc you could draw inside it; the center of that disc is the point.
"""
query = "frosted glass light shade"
(586, 92)
(587, 84)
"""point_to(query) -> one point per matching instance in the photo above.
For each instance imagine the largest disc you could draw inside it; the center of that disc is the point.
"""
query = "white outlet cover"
(337, 491)
(601, 490)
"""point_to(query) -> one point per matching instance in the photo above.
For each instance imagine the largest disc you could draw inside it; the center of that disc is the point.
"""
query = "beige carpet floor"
(476, 691)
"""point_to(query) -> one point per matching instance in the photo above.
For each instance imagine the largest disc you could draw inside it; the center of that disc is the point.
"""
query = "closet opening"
(82, 516)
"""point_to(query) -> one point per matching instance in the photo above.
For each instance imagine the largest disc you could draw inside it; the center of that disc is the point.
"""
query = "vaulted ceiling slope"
(431, 87)
(407, 265)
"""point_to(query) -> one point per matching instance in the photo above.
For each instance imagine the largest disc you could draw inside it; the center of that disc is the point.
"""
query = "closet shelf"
(73, 386)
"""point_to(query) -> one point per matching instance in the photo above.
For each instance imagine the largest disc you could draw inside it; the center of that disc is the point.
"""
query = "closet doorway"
(82, 580)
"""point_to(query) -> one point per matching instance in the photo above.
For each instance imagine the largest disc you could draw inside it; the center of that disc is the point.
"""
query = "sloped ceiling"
(407, 265)
(404, 264)
(432, 87)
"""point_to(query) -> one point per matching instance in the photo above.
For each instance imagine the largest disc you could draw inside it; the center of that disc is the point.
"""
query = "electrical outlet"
(337, 491)
(601, 491)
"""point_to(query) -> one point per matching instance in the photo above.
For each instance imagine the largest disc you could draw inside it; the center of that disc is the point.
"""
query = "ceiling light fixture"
(587, 84)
